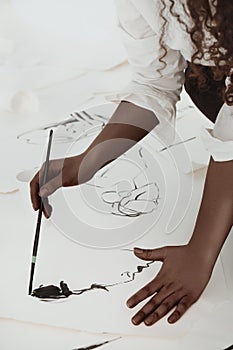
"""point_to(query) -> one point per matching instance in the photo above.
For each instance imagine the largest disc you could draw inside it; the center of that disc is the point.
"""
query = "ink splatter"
(140, 268)
(95, 346)
(51, 292)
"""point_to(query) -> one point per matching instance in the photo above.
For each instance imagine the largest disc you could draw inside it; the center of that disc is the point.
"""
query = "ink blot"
(52, 292)
(95, 346)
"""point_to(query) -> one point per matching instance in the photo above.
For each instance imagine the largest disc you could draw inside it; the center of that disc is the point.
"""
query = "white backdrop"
(49, 41)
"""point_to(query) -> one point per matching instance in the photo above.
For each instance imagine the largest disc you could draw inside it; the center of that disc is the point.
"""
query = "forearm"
(215, 216)
(127, 126)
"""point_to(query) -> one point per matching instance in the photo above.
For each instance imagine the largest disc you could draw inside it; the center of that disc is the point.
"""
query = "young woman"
(169, 44)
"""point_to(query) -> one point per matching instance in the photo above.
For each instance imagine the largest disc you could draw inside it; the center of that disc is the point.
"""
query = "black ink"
(80, 124)
(65, 289)
(137, 201)
(177, 143)
(93, 286)
(98, 345)
(127, 203)
(229, 348)
(140, 268)
(53, 292)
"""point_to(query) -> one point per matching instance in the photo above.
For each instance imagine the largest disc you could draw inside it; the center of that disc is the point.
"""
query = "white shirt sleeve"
(149, 88)
(219, 140)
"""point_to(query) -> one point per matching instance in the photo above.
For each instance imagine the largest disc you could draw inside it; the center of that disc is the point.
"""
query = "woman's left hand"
(180, 282)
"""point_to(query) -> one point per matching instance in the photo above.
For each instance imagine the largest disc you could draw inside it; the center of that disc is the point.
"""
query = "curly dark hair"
(215, 17)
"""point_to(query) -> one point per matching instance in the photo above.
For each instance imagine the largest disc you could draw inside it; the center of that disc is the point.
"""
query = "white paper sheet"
(62, 259)
(214, 331)
(28, 336)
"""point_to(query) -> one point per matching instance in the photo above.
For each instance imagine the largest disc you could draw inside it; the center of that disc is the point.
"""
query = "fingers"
(51, 186)
(148, 290)
(151, 254)
(181, 308)
(153, 305)
(47, 209)
(165, 306)
(35, 187)
(156, 309)
(37, 192)
(34, 192)
(46, 190)
(36, 199)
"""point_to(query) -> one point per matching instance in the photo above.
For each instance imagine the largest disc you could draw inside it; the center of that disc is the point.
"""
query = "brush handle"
(38, 225)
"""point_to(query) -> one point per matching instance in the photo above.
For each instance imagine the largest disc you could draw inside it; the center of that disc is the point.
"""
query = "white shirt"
(140, 24)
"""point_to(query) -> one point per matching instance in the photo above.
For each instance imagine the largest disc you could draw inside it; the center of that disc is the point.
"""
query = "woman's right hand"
(62, 172)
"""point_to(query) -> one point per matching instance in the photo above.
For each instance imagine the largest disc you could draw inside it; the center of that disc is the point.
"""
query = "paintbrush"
(38, 224)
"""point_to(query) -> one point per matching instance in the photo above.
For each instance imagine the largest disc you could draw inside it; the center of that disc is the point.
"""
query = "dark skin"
(124, 130)
(186, 269)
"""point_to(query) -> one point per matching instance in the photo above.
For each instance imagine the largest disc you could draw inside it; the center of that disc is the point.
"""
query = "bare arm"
(187, 269)
(215, 217)
(127, 126)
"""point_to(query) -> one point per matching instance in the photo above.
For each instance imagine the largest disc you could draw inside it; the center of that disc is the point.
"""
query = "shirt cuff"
(219, 150)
